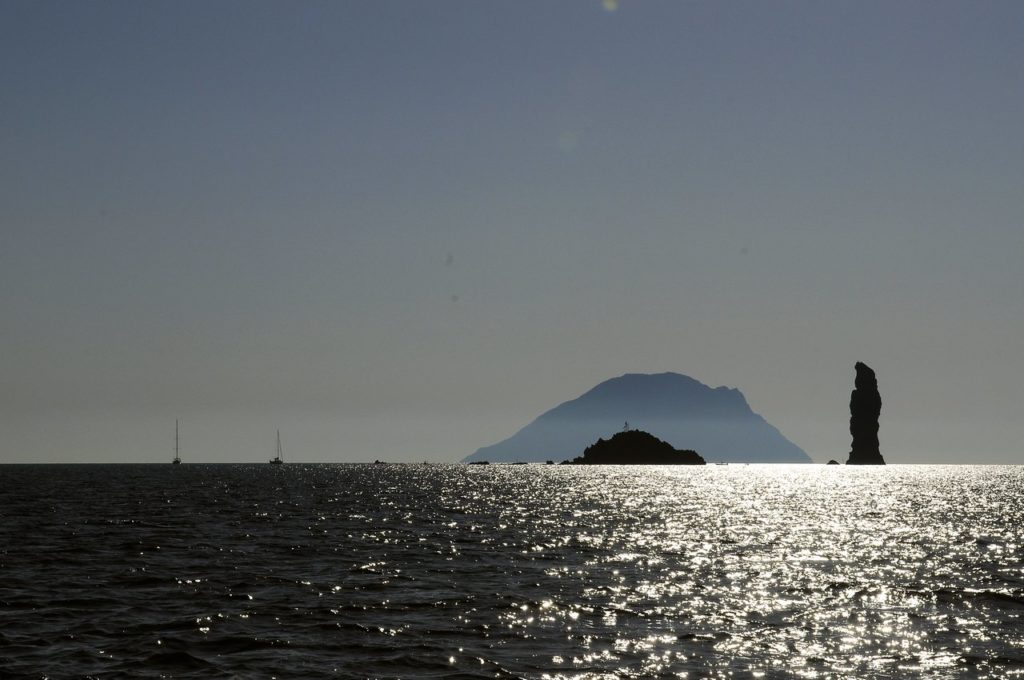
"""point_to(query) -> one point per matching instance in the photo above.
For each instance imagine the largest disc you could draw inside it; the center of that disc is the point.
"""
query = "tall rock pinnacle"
(865, 405)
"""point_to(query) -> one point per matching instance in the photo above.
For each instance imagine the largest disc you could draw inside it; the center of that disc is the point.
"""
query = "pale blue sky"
(402, 230)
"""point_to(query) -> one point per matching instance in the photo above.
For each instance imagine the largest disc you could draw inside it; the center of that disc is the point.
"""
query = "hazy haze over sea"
(511, 571)
(407, 228)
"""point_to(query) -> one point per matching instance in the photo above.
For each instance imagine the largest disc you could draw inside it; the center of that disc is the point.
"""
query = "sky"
(402, 230)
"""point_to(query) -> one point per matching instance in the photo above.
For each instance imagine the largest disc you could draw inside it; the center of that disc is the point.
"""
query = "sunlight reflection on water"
(526, 571)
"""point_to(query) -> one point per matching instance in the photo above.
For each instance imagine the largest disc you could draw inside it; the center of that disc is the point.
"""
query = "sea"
(511, 571)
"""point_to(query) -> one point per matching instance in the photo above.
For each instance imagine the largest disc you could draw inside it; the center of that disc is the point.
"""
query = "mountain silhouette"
(684, 412)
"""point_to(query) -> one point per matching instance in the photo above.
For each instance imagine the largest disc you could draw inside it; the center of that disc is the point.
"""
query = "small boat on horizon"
(177, 450)
(278, 460)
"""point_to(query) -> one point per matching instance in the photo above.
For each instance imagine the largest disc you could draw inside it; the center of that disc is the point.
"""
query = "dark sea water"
(387, 571)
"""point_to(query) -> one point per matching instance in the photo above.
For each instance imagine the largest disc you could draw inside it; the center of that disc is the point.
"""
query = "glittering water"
(511, 571)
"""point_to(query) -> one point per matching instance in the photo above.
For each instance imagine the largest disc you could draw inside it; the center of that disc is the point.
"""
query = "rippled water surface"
(511, 571)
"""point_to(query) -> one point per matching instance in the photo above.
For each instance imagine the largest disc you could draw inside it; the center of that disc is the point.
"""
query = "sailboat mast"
(177, 444)
(277, 460)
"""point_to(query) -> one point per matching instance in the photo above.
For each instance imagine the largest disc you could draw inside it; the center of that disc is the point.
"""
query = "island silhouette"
(635, 447)
(686, 413)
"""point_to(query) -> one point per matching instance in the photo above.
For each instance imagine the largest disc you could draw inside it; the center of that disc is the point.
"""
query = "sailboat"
(277, 460)
(177, 449)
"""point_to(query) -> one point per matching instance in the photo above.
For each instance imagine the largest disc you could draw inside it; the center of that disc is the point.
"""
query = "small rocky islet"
(635, 447)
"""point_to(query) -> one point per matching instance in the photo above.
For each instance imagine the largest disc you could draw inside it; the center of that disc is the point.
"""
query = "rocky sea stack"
(635, 447)
(865, 407)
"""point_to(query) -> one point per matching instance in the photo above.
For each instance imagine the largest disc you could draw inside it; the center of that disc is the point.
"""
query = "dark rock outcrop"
(635, 447)
(686, 413)
(865, 406)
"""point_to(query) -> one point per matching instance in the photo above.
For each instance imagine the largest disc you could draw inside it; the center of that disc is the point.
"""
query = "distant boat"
(277, 460)
(177, 450)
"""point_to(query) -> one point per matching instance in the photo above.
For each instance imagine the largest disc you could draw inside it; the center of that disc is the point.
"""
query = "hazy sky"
(402, 230)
